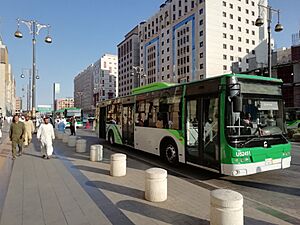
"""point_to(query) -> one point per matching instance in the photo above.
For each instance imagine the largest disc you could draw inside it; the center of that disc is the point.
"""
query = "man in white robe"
(29, 129)
(46, 134)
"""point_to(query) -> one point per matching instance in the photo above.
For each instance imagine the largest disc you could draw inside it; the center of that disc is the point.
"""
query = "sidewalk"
(69, 189)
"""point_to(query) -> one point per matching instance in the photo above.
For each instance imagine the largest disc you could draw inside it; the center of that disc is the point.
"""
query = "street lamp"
(34, 29)
(259, 22)
(136, 73)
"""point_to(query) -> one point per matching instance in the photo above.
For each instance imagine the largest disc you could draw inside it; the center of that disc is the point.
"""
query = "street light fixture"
(259, 22)
(136, 73)
(34, 29)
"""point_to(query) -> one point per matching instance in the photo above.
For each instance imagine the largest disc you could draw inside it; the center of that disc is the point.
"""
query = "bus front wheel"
(169, 151)
(111, 138)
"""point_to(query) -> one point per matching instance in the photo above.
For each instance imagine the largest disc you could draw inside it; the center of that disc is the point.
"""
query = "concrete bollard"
(96, 153)
(156, 185)
(65, 138)
(72, 141)
(81, 145)
(118, 165)
(226, 207)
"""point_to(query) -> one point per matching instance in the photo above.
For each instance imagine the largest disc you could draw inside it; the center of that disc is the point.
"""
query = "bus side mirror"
(237, 104)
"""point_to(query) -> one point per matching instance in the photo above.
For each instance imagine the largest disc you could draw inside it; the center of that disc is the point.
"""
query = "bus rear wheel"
(111, 138)
(169, 152)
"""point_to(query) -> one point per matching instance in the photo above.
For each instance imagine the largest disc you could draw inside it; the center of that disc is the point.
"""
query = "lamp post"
(259, 22)
(34, 29)
(136, 73)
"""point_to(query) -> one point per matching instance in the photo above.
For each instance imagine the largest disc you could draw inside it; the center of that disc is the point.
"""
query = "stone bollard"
(96, 153)
(81, 145)
(65, 138)
(226, 207)
(156, 185)
(296, 137)
(72, 141)
(118, 165)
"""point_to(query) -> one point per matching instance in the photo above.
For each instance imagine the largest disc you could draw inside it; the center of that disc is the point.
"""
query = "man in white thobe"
(46, 134)
(29, 129)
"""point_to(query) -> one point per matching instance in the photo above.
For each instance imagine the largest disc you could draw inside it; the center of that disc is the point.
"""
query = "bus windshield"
(261, 119)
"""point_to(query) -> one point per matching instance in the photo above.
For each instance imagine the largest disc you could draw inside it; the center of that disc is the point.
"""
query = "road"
(275, 192)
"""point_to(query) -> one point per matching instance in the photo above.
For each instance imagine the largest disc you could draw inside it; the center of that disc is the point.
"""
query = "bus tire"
(111, 138)
(169, 151)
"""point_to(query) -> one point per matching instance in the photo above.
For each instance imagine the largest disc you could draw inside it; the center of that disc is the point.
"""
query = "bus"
(202, 123)
(77, 112)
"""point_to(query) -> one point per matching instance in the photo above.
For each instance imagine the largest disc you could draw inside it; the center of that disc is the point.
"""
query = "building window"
(239, 49)
(224, 67)
(201, 66)
(231, 6)
(224, 35)
(231, 58)
(231, 37)
(225, 57)
(239, 29)
(224, 46)
(201, 55)
(231, 47)
(224, 25)
(231, 16)
(239, 8)
(201, 44)
(239, 39)
(239, 19)
(224, 14)
(247, 11)
(231, 26)
(224, 3)
(201, 11)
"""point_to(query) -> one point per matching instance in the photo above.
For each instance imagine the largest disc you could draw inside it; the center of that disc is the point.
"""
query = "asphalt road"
(275, 192)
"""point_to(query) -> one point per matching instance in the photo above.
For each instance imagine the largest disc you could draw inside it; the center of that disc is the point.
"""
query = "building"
(62, 103)
(105, 78)
(129, 61)
(191, 40)
(96, 83)
(7, 84)
(18, 105)
(83, 90)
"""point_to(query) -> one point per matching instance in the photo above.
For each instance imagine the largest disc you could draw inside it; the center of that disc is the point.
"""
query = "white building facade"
(7, 84)
(97, 82)
(189, 40)
(129, 61)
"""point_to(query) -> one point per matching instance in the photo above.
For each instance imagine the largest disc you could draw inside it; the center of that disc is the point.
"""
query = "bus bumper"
(252, 168)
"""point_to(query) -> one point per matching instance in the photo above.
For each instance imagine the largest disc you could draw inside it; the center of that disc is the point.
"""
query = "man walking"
(16, 135)
(29, 129)
(46, 134)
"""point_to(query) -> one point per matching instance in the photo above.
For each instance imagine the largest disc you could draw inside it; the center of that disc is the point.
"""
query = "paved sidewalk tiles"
(69, 189)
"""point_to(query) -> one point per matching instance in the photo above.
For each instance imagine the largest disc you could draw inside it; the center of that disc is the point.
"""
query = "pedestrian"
(61, 126)
(73, 126)
(16, 135)
(46, 134)
(29, 129)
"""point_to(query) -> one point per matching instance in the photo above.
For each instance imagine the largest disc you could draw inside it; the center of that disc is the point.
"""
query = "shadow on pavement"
(132, 192)
(92, 169)
(268, 187)
(161, 214)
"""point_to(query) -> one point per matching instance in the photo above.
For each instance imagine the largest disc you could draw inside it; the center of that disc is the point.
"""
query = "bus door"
(202, 132)
(128, 124)
(102, 122)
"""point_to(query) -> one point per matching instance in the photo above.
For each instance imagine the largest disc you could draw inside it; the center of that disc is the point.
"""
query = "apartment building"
(7, 84)
(105, 78)
(83, 90)
(129, 61)
(62, 103)
(188, 40)
(97, 82)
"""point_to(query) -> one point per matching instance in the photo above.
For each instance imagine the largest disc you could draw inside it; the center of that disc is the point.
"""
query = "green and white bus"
(74, 112)
(204, 123)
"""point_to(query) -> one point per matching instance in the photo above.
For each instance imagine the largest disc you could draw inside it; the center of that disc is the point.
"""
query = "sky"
(84, 30)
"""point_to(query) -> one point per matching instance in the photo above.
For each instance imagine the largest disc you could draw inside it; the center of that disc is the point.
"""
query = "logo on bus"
(239, 154)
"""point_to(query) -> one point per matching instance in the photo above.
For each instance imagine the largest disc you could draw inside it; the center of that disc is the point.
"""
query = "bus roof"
(163, 85)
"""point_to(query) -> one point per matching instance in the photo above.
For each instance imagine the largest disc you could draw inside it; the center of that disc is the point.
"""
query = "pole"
(29, 91)
(269, 41)
(33, 68)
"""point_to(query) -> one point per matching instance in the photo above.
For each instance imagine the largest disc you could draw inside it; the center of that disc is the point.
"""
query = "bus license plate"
(269, 161)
